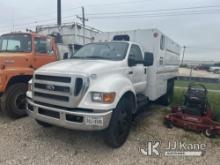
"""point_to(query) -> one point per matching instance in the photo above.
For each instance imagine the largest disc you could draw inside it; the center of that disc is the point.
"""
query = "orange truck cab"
(20, 55)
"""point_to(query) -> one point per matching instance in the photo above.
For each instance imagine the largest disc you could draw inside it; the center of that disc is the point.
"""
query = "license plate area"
(98, 121)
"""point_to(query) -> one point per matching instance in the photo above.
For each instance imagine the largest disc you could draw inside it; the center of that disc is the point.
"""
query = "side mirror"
(148, 59)
(131, 62)
(65, 56)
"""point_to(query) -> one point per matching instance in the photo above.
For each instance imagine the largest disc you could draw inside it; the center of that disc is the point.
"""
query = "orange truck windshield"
(15, 43)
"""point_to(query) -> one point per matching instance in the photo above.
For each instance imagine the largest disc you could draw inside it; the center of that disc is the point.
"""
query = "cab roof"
(23, 33)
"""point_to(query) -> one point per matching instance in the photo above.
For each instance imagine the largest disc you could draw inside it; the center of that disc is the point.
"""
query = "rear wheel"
(119, 127)
(209, 133)
(167, 98)
(168, 124)
(43, 124)
(13, 100)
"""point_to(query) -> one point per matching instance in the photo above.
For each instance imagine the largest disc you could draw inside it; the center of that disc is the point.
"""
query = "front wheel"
(209, 133)
(14, 99)
(120, 124)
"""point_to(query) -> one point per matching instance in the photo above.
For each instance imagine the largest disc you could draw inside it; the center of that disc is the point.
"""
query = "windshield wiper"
(78, 57)
(98, 57)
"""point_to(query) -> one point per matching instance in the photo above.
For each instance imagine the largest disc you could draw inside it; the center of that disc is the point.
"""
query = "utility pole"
(13, 21)
(59, 21)
(184, 49)
(83, 20)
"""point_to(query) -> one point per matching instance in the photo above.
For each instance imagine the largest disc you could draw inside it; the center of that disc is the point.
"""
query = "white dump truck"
(105, 83)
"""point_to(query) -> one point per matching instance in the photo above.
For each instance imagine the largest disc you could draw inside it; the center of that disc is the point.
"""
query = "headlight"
(103, 97)
(30, 85)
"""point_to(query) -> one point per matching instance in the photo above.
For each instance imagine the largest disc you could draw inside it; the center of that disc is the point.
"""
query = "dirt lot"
(24, 142)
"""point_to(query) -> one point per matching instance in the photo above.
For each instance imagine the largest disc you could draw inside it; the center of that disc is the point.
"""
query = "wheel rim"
(208, 132)
(123, 124)
(20, 101)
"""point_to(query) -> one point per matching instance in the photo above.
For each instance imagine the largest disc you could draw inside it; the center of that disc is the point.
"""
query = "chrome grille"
(53, 78)
(54, 87)
(65, 91)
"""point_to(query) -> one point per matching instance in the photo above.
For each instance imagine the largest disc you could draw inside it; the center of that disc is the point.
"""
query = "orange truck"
(20, 55)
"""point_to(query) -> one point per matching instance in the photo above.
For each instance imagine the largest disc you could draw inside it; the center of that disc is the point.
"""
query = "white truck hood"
(80, 66)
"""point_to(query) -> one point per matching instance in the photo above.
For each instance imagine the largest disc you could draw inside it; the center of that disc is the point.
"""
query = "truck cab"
(21, 54)
(98, 89)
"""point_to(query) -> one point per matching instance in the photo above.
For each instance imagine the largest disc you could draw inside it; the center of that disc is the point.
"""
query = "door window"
(162, 42)
(43, 46)
(135, 53)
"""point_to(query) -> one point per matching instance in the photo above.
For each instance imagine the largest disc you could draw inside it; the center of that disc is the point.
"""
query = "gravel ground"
(23, 141)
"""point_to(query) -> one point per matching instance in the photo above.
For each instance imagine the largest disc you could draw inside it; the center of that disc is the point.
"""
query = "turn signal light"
(108, 97)
(101, 97)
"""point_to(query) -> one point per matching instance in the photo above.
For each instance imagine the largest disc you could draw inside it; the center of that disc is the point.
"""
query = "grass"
(211, 86)
(213, 97)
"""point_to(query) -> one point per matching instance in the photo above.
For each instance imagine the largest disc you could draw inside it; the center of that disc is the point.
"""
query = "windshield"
(106, 50)
(15, 43)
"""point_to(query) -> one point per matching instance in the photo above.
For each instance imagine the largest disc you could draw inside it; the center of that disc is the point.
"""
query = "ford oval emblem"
(50, 87)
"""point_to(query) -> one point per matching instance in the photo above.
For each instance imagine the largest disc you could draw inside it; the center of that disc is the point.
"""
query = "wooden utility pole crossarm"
(83, 19)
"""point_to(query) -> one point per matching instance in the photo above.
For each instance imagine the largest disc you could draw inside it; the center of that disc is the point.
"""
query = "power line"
(127, 16)
(119, 3)
(172, 9)
(133, 15)
(78, 7)
(157, 10)
(156, 15)
(130, 15)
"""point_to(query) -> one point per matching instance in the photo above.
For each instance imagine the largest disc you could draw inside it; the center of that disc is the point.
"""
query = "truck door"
(44, 52)
(137, 71)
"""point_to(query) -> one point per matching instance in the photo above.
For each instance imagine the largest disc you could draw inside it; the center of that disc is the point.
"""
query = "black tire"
(13, 101)
(119, 127)
(168, 124)
(43, 124)
(209, 133)
(167, 98)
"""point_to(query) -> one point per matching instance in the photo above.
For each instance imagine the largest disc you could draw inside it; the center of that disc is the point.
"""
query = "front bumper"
(69, 119)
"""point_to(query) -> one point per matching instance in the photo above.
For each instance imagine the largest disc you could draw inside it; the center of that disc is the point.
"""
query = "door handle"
(130, 72)
(145, 71)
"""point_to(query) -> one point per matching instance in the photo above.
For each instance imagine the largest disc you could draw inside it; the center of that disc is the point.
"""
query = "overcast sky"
(198, 28)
